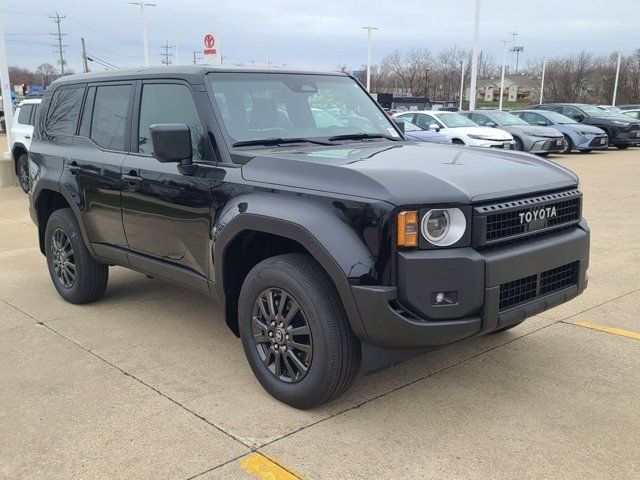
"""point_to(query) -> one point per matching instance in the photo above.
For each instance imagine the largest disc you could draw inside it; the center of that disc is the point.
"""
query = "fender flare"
(14, 147)
(339, 270)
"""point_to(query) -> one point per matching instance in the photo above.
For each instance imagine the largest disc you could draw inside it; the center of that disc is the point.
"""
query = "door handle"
(27, 137)
(131, 179)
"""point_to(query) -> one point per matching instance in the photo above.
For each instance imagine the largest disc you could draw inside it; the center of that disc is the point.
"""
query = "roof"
(193, 73)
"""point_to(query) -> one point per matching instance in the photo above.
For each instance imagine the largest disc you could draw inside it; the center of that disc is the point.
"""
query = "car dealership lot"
(149, 383)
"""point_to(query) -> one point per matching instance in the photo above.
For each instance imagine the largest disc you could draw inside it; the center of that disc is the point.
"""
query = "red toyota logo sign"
(209, 41)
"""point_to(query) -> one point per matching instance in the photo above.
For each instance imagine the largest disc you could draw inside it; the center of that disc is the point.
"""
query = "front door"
(167, 215)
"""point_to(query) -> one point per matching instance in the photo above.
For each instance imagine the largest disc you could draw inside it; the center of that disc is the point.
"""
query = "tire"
(588, 150)
(518, 145)
(332, 352)
(457, 141)
(543, 154)
(22, 167)
(3, 125)
(569, 144)
(87, 281)
(622, 147)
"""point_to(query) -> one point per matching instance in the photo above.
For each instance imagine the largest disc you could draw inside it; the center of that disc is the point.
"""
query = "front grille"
(598, 141)
(525, 217)
(552, 145)
(529, 288)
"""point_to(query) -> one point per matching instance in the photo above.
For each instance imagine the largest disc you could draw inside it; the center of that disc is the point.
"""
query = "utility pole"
(504, 60)
(57, 19)
(145, 44)
(513, 42)
(166, 55)
(176, 50)
(474, 57)
(368, 29)
(615, 85)
(544, 67)
(196, 54)
(85, 63)
(464, 64)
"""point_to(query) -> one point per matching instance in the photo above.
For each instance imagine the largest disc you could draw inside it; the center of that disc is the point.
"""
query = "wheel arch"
(17, 150)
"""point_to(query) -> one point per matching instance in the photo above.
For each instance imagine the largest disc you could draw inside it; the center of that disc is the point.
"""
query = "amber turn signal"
(407, 228)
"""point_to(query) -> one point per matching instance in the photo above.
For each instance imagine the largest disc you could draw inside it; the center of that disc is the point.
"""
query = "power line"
(57, 19)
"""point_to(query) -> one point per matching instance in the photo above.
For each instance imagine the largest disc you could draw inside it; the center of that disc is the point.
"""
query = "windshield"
(455, 120)
(614, 110)
(507, 119)
(558, 118)
(594, 111)
(258, 106)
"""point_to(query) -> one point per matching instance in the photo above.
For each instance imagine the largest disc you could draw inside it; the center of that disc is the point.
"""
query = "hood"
(491, 133)
(405, 173)
(426, 136)
(535, 129)
(607, 120)
(581, 127)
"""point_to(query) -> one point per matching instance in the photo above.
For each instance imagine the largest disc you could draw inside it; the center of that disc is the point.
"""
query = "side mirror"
(578, 117)
(171, 143)
(399, 122)
(542, 123)
(434, 127)
(491, 124)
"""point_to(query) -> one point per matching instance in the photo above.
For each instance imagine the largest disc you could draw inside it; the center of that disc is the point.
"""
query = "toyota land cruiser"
(332, 246)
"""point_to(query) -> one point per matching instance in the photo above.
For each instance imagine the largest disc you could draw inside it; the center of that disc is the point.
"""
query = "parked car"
(610, 109)
(417, 134)
(21, 133)
(329, 248)
(633, 113)
(623, 132)
(528, 138)
(578, 136)
(629, 107)
(460, 130)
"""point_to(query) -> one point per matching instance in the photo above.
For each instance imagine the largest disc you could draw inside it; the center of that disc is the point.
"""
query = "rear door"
(166, 214)
(94, 162)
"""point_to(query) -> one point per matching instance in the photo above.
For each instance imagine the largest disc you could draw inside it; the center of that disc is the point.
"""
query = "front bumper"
(592, 142)
(503, 144)
(405, 316)
(546, 145)
(626, 138)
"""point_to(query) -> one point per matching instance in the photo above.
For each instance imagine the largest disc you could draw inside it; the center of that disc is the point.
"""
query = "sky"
(317, 35)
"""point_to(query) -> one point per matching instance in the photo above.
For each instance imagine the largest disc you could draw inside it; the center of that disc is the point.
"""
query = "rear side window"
(64, 111)
(109, 122)
(170, 103)
(25, 114)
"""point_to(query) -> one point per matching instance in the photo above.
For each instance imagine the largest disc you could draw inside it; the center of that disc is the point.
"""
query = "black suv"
(331, 243)
(623, 131)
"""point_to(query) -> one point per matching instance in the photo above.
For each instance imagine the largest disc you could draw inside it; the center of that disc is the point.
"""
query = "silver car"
(529, 138)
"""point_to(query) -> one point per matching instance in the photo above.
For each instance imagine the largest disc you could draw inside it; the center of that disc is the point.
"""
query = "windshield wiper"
(362, 136)
(278, 141)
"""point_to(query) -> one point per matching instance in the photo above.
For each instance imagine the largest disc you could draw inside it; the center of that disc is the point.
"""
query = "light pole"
(474, 57)
(615, 85)
(145, 44)
(368, 29)
(504, 60)
(464, 64)
(5, 84)
(544, 68)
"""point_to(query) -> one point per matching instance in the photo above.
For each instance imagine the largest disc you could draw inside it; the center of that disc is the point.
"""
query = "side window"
(25, 114)
(170, 103)
(535, 119)
(109, 119)
(409, 117)
(423, 121)
(570, 111)
(62, 117)
(34, 112)
(481, 120)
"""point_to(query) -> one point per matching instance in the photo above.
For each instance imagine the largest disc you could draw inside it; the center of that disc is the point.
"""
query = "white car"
(21, 132)
(460, 130)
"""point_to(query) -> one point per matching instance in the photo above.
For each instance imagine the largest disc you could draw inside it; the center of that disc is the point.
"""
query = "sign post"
(211, 50)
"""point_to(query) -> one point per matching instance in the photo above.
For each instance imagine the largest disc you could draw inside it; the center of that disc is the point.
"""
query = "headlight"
(583, 133)
(443, 226)
(479, 137)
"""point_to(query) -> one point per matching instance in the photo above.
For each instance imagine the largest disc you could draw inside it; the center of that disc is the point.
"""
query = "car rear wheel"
(568, 144)
(23, 172)
(78, 278)
(588, 150)
(622, 147)
(295, 333)
(457, 141)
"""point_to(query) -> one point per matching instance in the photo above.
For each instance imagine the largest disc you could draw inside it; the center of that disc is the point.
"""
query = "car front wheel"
(295, 333)
(22, 167)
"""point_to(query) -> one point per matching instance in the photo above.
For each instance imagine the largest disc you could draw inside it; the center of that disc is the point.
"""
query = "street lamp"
(544, 68)
(143, 4)
(368, 29)
(474, 57)
(504, 60)
(615, 85)
(464, 64)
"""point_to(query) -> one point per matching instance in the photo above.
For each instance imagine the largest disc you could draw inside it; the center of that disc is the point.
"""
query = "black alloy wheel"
(518, 144)
(568, 144)
(281, 335)
(63, 257)
(23, 172)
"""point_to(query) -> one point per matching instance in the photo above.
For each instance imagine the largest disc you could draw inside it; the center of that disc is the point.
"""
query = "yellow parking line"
(265, 469)
(614, 331)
